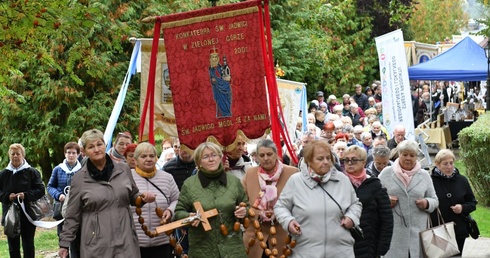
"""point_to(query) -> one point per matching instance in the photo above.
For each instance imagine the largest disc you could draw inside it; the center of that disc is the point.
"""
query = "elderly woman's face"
(16, 157)
(130, 160)
(321, 162)
(146, 160)
(311, 120)
(376, 128)
(210, 160)
(95, 150)
(339, 150)
(353, 163)
(446, 166)
(407, 159)
(121, 144)
(267, 158)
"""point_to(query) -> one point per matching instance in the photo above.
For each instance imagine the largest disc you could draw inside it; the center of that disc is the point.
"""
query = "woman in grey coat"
(412, 198)
(314, 218)
(100, 196)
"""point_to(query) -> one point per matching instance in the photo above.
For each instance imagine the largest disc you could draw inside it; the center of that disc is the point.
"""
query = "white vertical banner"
(395, 85)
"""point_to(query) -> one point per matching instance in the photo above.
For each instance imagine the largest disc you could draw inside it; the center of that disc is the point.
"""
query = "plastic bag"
(12, 221)
(41, 208)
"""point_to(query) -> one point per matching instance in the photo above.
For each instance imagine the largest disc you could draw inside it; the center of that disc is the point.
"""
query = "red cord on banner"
(150, 92)
(275, 108)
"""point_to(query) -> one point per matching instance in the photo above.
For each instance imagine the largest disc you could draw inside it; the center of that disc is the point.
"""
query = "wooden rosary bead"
(282, 256)
(242, 204)
(179, 249)
(144, 228)
(251, 242)
(223, 229)
(259, 236)
(288, 239)
(159, 212)
(287, 252)
(141, 220)
(272, 230)
(246, 222)
(139, 201)
(236, 226)
(275, 252)
(172, 240)
(138, 211)
(267, 251)
(292, 244)
(273, 241)
(251, 212)
(256, 224)
(263, 245)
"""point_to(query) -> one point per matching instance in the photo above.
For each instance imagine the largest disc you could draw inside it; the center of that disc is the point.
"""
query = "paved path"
(479, 248)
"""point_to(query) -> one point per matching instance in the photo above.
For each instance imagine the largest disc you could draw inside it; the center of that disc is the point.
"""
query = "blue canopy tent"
(465, 61)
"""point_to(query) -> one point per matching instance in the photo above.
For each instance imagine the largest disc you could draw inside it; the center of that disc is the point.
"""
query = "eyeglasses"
(352, 161)
(213, 156)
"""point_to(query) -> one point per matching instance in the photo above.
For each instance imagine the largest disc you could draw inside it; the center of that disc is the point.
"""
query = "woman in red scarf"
(376, 216)
(263, 185)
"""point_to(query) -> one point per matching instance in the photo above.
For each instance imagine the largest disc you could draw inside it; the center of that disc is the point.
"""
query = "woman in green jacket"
(214, 188)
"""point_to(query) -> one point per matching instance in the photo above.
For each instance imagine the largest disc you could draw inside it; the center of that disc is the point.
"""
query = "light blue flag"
(116, 111)
(304, 110)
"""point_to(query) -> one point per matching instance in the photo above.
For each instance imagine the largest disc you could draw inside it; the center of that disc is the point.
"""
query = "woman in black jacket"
(456, 199)
(376, 218)
(20, 181)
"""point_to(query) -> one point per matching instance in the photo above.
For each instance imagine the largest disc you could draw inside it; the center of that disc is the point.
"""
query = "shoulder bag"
(471, 224)
(356, 230)
(439, 241)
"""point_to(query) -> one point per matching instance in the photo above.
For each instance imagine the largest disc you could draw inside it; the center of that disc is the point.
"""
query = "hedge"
(474, 144)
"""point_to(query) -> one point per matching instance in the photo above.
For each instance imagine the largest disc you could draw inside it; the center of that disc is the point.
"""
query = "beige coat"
(251, 184)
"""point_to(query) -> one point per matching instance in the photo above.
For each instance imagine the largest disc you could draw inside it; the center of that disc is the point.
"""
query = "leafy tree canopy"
(63, 61)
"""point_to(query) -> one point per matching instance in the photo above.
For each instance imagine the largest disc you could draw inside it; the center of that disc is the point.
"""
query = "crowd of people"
(352, 176)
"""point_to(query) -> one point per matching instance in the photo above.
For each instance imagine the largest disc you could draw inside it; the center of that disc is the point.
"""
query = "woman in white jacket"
(162, 184)
(308, 207)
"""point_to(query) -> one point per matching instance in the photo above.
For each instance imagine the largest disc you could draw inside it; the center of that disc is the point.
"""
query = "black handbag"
(355, 231)
(57, 210)
(472, 227)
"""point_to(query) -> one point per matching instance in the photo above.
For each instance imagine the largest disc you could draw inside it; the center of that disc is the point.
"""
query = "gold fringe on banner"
(210, 17)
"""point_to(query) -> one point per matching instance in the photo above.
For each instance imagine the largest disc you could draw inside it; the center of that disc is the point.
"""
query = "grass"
(46, 240)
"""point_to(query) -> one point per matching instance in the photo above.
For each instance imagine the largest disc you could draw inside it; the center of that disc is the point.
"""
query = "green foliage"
(474, 142)
(63, 61)
(326, 44)
(446, 19)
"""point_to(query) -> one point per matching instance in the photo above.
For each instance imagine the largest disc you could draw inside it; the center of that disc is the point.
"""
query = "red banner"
(217, 73)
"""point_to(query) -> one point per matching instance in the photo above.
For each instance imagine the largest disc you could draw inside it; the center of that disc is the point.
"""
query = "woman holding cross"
(213, 188)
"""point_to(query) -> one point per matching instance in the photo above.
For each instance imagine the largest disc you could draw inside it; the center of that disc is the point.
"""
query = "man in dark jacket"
(361, 98)
(180, 167)
(398, 136)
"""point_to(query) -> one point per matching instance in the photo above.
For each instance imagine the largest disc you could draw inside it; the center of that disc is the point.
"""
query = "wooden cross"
(184, 222)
